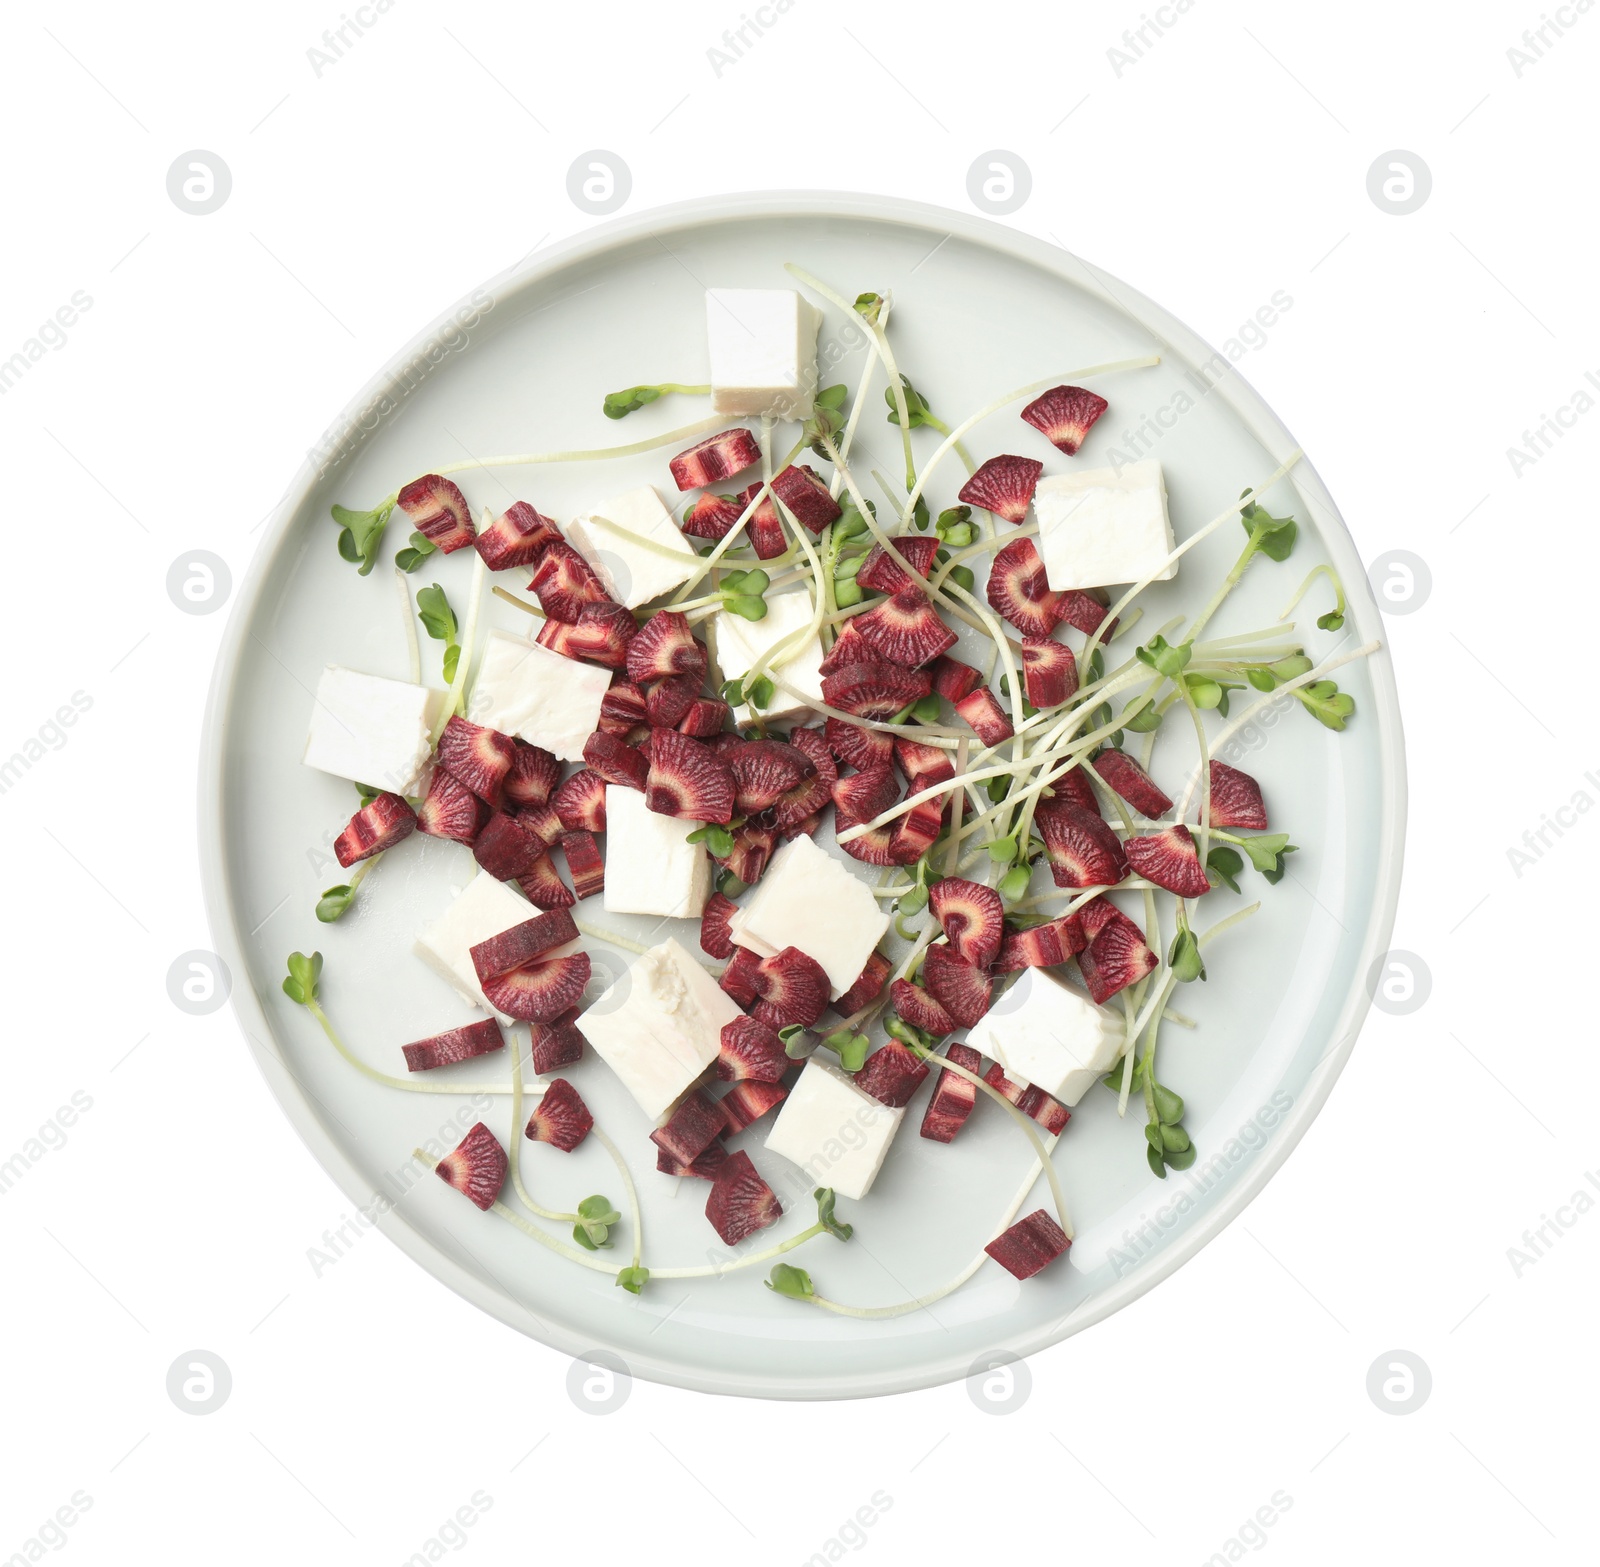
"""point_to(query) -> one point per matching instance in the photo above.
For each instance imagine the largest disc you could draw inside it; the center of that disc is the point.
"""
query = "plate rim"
(592, 244)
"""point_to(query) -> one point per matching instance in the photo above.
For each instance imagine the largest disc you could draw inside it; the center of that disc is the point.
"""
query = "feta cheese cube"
(1100, 527)
(836, 1133)
(631, 573)
(809, 900)
(1047, 1033)
(371, 730)
(545, 698)
(651, 868)
(763, 351)
(741, 643)
(483, 908)
(659, 1026)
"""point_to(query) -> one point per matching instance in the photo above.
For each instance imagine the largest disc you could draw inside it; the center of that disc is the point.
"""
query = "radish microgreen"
(786, 1279)
(416, 551)
(633, 1280)
(361, 532)
(595, 1218)
(618, 405)
(1226, 864)
(439, 621)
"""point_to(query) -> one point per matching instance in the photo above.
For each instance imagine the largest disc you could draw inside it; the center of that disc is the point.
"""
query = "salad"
(889, 770)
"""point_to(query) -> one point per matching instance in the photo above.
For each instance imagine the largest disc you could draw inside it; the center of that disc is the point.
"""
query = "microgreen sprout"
(1334, 619)
(799, 1042)
(851, 1048)
(786, 1279)
(361, 532)
(439, 621)
(869, 307)
(1326, 703)
(715, 837)
(301, 985)
(633, 1280)
(1273, 536)
(416, 551)
(1184, 957)
(729, 885)
(1266, 851)
(827, 416)
(757, 693)
(595, 1218)
(1162, 657)
(742, 593)
(618, 405)
(1225, 865)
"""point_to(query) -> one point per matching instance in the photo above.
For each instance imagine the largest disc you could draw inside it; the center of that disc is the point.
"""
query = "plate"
(521, 366)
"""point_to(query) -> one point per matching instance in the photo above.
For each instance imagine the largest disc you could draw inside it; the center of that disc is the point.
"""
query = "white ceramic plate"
(978, 309)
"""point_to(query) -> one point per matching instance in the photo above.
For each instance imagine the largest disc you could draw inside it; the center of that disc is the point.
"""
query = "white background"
(1228, 162)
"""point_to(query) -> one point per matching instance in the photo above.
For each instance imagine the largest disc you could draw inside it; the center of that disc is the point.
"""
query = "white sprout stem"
(413, 647)
(1234, 725)
(848, 434)
(940, 736)
(509, 597)
(651, 546)
(596, 454)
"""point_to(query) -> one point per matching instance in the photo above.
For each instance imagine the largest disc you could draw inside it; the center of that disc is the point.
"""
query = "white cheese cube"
(809, 900)
(836, 1133)
(651, 868)
(1100, 527)
(371, 730)
(483, 908)
(659, 1025)
(632, 573)
(1047, 1033)
(545, 698)
(741, 643)
(763, 351)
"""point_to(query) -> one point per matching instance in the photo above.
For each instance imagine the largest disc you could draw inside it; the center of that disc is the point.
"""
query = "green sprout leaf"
(799, 1043)
(1162, 657)
(1226, 865)
(1326, 703)
(1291, 668)
(1273, 536)
(791, 1281)
(729, 885)
(1003, 850)
(996, 789)
(917, 412)
(926, 710)
(748, 606)
(1267, 853)
(1169, 1106)
(1204, 692)
(361, 532)
(1184, 958)
(963, 578)
(1155, 1161)
(304, 972)
(719, 840)
(433, 610)
(869, 307)
(633, 1279)
(415, 552)
(595, 1218)
(333, 903)
(913, 902)
(837, 1228)
(851, 1049)
(1014, 884)
(847, 595)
